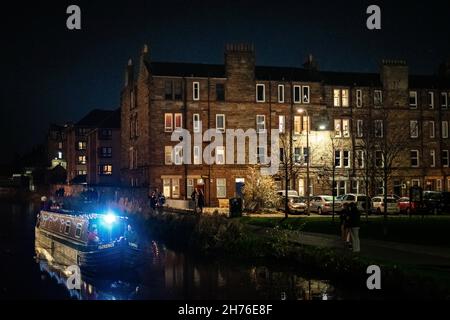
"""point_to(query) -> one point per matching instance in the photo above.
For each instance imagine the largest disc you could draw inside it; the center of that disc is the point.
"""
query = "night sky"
(52, 75)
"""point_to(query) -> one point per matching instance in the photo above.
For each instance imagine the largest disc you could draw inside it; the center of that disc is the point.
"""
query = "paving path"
(406, 254)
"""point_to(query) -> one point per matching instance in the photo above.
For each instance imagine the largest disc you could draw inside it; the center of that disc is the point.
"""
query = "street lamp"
(307, 162)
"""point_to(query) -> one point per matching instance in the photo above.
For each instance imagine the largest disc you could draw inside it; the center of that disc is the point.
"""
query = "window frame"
(263, 86)
(220, 129)
(196, 123)
(413, 95)
(196, 91)
(281, 93)
(166, 128)
(416, 158)
(359, 98)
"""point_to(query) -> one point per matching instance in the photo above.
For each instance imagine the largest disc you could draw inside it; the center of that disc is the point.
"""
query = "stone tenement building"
(356, 121)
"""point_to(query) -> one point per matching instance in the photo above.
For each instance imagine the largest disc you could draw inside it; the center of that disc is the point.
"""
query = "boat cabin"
(84, 229)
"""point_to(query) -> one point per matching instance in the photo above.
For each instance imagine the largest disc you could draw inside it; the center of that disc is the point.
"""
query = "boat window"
(67, 229)
(78, 230)
(61, 227)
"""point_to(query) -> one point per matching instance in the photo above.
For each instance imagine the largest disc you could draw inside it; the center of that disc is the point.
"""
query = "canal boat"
(95, 242)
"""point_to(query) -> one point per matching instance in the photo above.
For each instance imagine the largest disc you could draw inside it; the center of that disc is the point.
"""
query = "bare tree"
(384, 139)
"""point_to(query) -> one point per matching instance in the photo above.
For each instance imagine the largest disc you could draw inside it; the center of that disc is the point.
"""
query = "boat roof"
(81, 215)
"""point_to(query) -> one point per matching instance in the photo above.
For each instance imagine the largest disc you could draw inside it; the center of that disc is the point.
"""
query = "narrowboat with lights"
(95, 242)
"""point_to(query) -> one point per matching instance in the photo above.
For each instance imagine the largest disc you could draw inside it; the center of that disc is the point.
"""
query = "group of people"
(157, 200)
(350, 224)
(198, 197)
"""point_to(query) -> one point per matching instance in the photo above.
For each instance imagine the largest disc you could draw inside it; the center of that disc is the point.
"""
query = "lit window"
(105, 169)
(82, 145)
(260, 123)
(220, 155)
(168, 122)
(197, 155)
(178, 155)
(60, 155)
(81, 159)
(175, 188)
(346, 127)
(166, 188)
(190, 186)
(261, 155)
(221, 185)
(297, 124)
(345, 100)
(260, 93)
(168, 155)
(281, 124)
(337, 128)
(337, 97)
(178, 121)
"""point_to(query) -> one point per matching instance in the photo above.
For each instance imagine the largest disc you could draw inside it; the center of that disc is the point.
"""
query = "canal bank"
(218, 236)
(170, 273)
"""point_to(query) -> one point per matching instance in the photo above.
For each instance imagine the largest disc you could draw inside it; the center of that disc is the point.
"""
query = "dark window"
(178, 90)
(281, 155)
(168, 90)
(306, 155)
(105, 134)
(220, 92)
(106, 152)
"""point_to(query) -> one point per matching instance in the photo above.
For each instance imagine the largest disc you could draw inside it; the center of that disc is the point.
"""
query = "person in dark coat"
(343, 219)
(201, 200)
(354, 222)
(194, 196)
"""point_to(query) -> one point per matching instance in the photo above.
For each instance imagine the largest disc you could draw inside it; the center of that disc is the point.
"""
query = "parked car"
(378, 205)
(324, 204)
(361, 200)
(291, 193)
(436, 202)
(295, 204)
(404, 206)
(390, 196)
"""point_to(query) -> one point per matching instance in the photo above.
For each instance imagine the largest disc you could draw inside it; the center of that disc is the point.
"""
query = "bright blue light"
(110, 218)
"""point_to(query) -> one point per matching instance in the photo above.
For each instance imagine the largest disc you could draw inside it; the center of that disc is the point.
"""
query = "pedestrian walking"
(194, 198)
(201, 200)
(343, 220)
(354, 221)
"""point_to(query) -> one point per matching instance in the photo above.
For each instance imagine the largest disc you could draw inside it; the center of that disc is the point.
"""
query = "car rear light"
(327, 204)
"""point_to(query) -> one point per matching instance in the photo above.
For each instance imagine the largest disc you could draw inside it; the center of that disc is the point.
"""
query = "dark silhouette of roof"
(94, 118)
(181, 69)
(112, 121)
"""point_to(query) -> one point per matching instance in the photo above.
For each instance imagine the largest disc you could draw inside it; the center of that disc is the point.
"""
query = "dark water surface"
(167, 274)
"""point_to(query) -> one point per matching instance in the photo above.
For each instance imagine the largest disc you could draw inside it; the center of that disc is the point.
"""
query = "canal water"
(167, 274)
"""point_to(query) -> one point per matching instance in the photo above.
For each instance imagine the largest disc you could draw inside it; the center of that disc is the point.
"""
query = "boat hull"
(103, 258)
